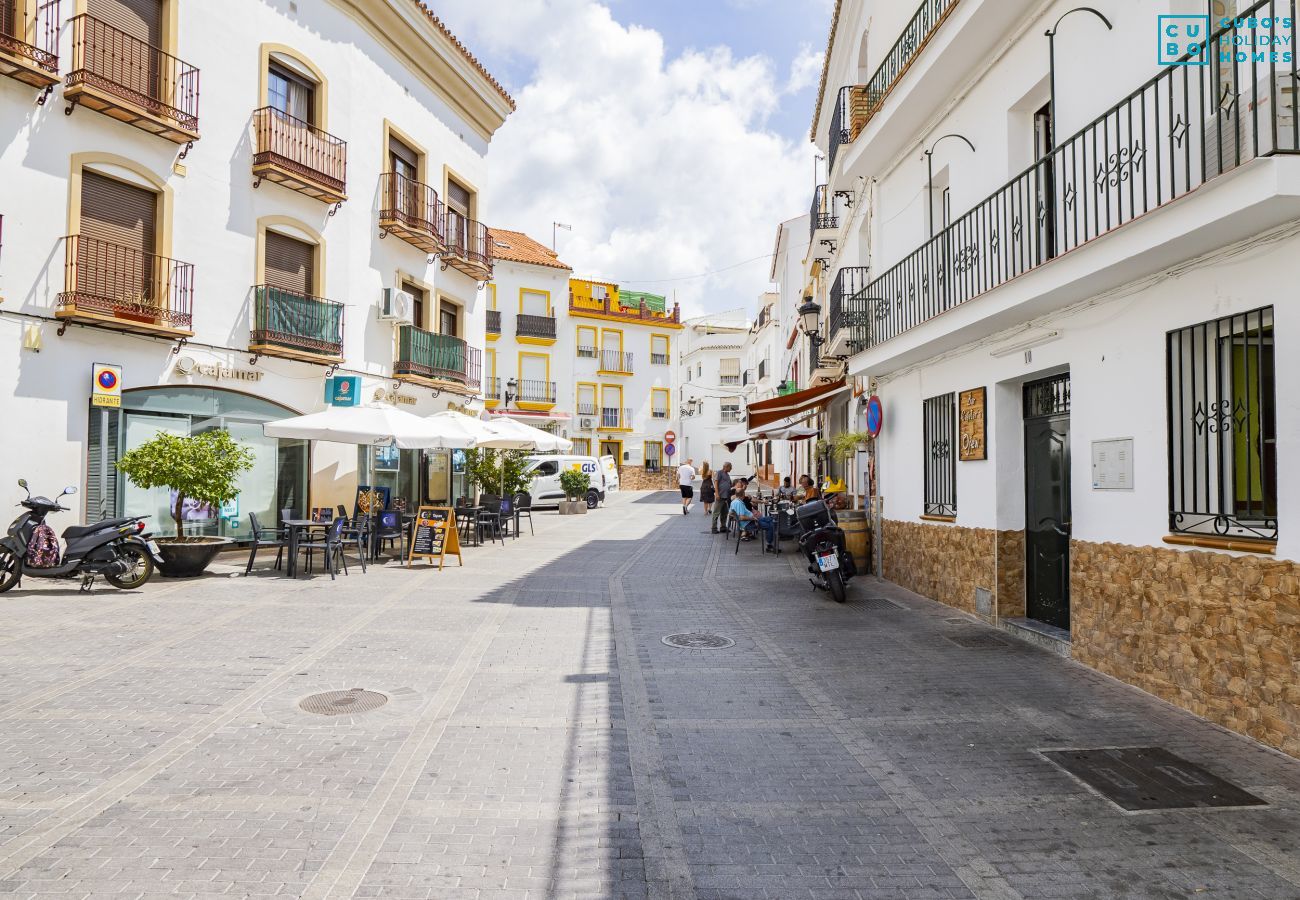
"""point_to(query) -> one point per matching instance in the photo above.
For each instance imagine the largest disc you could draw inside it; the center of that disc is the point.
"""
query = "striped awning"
(792, 406)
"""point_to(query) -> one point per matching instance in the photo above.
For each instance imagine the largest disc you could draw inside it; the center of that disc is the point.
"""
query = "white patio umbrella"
(512, 434)
(371, 423)
(460, 431)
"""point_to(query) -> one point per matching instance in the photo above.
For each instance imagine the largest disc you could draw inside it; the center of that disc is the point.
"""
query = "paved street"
(540, 740)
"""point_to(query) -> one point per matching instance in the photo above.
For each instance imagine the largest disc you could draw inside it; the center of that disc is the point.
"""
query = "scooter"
(822, 541)
(118, 549)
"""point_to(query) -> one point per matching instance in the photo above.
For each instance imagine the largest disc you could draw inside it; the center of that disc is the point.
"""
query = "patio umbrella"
(371, 423)
(459, 431)
(515, 435)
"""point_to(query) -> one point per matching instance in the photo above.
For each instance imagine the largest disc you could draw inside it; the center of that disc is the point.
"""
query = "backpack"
(43, 548)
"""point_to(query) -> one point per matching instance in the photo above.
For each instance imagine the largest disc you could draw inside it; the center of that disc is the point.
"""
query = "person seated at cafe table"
(748, 520)
(786, 490)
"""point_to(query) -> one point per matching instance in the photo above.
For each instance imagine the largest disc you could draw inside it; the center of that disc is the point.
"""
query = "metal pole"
(1051, 87)
(103, 458)
(929, 188)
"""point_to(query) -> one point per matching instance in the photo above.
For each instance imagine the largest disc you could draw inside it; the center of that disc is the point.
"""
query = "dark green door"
(1047, 501)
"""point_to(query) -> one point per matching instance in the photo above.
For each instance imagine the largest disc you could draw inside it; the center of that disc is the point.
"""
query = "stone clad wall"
(636, 478)
(1011, 574)
(1215, 634)
(944, 562)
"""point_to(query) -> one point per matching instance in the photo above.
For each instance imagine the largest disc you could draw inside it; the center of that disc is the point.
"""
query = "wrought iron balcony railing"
(532, 391)
(730, 416)
(586, 407)
(299, 155)
(1184, 127)
(849, 311)
(762, 369)
(659, 412)
(125, 288)
(492, 389)
(857, 104)
(729, 379)
(494, 321)
(820, 216)
(586, 352)
(658, 359)
(535, 326)
(614, 417)
(470, 249)
(137, 82)
(29, 44)
(423, 354)
(616, 361)
(411, 210)
(297, 323)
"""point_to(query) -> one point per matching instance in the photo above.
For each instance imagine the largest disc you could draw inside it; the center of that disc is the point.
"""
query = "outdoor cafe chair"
(331, 543)
(523, 510)
(489, 516)
(389, 528)
(355, 531)
(265, 538)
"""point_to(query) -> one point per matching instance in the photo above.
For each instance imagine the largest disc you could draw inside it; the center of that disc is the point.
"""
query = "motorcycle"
(118, 549)
(822, 542)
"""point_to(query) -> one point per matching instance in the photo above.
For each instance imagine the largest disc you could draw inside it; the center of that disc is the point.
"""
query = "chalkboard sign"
(434, 536)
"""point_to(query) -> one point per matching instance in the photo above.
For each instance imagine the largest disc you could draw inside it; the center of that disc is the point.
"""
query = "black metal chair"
(331, 542)
(466, 521)
(489, 516)
(264, 539)
(356, 531)
(523, 510)
(388, 529)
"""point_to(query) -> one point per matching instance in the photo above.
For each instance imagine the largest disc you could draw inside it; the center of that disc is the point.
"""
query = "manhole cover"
(343, 703)
(978, 641)
(882, 603)
(1146, 778)
(698, 640)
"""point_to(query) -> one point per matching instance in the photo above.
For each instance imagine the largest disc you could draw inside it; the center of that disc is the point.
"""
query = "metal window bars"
(493, 321)
(821, 214)
(940, 446)
(1221, 398)
(615, 361)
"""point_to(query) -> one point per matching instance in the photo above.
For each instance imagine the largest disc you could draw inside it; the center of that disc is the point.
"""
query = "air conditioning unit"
(397, 307)
(585, 424)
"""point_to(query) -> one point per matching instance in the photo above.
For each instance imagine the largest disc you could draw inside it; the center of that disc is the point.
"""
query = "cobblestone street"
(540, 740)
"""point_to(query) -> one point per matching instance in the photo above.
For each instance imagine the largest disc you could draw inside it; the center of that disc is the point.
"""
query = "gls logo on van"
(1183, 40)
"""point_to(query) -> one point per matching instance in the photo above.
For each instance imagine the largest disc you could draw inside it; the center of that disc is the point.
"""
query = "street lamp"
(1051, 60)
(929, 172)
(810, 313)
(512, 391)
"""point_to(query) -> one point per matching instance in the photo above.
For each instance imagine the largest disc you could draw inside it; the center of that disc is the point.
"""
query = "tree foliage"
(499, 472)
(574, 483)
(204, 467)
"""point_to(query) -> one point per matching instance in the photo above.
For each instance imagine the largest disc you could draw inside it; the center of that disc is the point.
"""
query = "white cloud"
(805, 70)
(664, 166)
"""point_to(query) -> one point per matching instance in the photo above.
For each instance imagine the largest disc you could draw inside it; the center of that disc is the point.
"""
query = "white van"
(545, 473)
(609, 468)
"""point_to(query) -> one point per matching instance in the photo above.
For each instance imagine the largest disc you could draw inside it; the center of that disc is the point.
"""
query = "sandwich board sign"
(435, 536)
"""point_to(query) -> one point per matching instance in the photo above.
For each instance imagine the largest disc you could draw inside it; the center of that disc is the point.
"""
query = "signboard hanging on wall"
(970, 416)
(434, 536)
(875, 415)
(106, 386)
(343, 390)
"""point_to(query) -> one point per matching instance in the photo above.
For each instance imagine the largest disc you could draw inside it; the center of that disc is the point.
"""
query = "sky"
(672, 135)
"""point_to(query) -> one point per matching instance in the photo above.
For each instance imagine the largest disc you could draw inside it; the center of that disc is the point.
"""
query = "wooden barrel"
(857, 537)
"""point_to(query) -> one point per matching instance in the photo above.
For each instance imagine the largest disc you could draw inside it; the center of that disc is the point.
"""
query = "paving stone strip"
(45, 832)
(977, 873)
(100, 609)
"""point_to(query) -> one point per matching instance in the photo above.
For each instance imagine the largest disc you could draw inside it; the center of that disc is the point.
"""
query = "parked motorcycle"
(118, 549)
(822, 541)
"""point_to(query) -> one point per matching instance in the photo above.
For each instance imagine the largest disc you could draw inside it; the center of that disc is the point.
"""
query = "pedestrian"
(686, 479)
(722, 499)
(707, 488)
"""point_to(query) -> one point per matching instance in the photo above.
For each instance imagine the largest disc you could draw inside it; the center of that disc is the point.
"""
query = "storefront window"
(277, 480)
(428, 477)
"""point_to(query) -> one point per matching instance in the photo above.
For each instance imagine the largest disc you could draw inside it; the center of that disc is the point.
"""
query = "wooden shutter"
(101, 502)
(7, 19)
(115, 250)
(417, 312)
(142, 19)
(289, 263)
(405, 160)
(458, 198)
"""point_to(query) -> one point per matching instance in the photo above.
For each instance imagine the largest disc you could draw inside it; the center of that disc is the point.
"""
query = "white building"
(714, 394)
(225, 249)
(1072, 327)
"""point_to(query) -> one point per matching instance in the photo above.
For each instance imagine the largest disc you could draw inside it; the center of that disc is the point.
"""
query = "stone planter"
(573, 507)
(188, 558)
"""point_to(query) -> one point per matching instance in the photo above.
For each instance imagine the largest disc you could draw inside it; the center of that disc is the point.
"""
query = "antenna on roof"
(554, 226)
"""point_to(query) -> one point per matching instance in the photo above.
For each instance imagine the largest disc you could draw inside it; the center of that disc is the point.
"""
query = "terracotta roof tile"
(437, 23)
(515, 246)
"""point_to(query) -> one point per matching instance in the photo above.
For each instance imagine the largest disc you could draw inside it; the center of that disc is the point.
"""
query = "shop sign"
(383, 396)
(970, 415)
(875, 415)
(187, 365)
(343, 390)
(106, 386)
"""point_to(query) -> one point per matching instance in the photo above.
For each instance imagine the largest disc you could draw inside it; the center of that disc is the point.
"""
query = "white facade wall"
(502, 358)
(706, 342)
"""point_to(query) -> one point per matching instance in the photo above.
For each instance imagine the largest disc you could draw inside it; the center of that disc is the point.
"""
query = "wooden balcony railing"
(436, 357)
(29, 45)
(299, 155)
(468, 246)
(295, 325)
(125, 289)
(132, 81)
(412, 211)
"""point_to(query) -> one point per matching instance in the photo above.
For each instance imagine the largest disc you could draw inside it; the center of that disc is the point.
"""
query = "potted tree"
(202, 469)
(575, 485)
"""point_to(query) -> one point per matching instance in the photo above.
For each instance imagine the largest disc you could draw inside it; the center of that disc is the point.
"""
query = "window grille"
(940, 416)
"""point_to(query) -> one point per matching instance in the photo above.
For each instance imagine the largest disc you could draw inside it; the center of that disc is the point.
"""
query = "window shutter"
(101, 502)
(118, 213)
(142, 19)
(729, 366)
(407, 161)
(289, 263)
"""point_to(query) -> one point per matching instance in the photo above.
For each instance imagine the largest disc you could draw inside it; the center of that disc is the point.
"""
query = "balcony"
(659, 412)
(412, 211)
(730, 415)
(131, 81)
(491, 392)
(125, 289)
(535, 395)
(296, 326)
(849, 313)
(493, 324)
(469, 249)
(1172, 137)
(615, 362)
(534, 329)
(821, 217)
(436, 360)
(614, 419)
(298, 155)
(608, 308)
(857, 104)
(729, 380)
(585, 352)
(586, 407)
(659, 359)
(29, 47)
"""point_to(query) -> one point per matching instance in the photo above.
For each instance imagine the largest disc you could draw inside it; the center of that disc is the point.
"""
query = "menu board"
(434, 536)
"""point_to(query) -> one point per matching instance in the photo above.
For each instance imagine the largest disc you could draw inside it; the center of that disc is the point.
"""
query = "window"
(492, 387)
(659, 349)
(460, 209)
(421, 297)
(659, 403)
(586, 342)
(534, 303)
(611, 407)
(654, 454)
(402, 160)
(1223, 427)
(940, 429)
(448, 317)
(730, 410)
(586, 399)
(582, 446)
(729, 371)
(115, 250)
(547, 468)
(290, 93)
(534, 379)
(492, 296)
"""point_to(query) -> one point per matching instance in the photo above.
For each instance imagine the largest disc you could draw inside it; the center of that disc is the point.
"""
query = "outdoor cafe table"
(296, 527)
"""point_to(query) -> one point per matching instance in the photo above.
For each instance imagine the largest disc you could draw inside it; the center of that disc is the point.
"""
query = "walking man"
(723, 492)
(686, 479)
